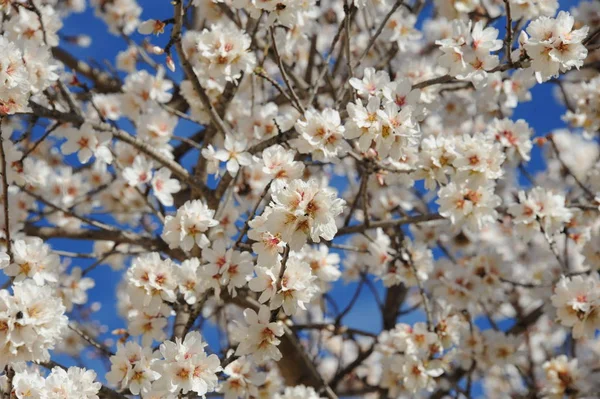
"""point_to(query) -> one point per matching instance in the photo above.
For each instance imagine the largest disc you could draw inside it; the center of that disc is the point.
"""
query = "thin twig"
(5, 192)
(378, 32)
(284, 74)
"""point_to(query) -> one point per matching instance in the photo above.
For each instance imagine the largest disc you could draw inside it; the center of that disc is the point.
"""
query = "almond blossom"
(260, 337)
(189, 225)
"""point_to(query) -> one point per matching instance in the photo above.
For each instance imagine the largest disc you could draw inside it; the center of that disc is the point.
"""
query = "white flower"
(467, 53)
(127, 59)
(399, 131)
(28, 384)
(86, 141)
(435, 161)
(73, 288)
(139, 173)
(149, 322)
(401, 29)
(121, 16)
(577, 303)
(418, 374)
(156, 126)
(4, 260)
(164, 186)
(364, 123)
(267, 246)
(212, 166)
(563, 375)
(234, 154)
(14, 77)
(372, 82)
(232, 268)
(296, 289)
(323, 264)
(143, 91)
(191, 285)
(398, 272)
(41, 68)
(151, 26)
(479, 159)
(33, 259)
(529, 9)
(280, 164)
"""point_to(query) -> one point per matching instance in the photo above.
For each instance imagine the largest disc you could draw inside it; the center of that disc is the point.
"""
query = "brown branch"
(335, 329)
(118, 236)
(295, 365)
(73, 327)
(103, 82)
(586, 190)
(508, 40)
(188, 69)
(5, 193)
(388, 223)
(142, 146)
(362, 356)
(297, 104)
(378, 32)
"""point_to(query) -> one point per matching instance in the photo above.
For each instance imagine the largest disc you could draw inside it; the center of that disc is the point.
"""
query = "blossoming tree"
(321, 144)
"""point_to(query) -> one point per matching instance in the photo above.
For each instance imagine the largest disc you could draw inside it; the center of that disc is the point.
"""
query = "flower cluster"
(33, 259)
(242, 378)
(178, 367)
(188, 227)
(540, 210)
(388, 122)
(220, 53)
(474, 163)
(131, 368)
(298, 211)
(564, 375)
(260, 336)
(186, 367)
(585, 105)
(480, 276)
(411, 357)
(32, 321)
(321, 135)
(20, 77)
(467, 52)
(60, 383)
(290, 288)
(554, 46)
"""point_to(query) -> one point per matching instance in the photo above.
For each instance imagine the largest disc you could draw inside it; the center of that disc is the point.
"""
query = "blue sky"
(543, 114)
